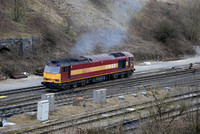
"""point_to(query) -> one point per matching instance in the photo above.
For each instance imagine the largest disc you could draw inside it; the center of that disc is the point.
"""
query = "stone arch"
(4, 49)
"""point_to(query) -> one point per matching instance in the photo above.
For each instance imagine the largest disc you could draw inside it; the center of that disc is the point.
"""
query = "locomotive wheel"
(122, 75)
(115, 76)
(47, 86)
(129, 73)
(74, 85)
(93, 80)
(66, 86)
(107, 77)
(83, 83)
(87, 81)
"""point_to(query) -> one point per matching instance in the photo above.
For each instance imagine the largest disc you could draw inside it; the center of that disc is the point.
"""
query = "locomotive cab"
(52, 76)
(65, 73)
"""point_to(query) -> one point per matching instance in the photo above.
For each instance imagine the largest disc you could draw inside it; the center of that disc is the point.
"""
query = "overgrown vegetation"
(18, 10)
(158, 30)
(20, 20)
(165, 32)
(192, 20)
(187, 120)
(168, 24)
(5, 23)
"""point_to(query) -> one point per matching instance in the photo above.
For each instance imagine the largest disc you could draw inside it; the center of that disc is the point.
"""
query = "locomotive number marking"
(86, 70)
(111, 66)
(93, 69)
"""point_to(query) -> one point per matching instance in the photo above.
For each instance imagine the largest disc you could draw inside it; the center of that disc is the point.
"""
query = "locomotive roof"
(90, 58)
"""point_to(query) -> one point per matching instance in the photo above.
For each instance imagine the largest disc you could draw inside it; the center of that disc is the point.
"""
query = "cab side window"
(121, 64)
(131, 59)
(64, 69)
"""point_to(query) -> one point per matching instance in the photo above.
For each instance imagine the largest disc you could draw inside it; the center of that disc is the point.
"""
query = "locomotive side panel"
(98, 69)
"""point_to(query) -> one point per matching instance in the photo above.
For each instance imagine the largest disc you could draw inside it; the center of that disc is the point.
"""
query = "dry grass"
(50, 19)
(39, 6)
(24, 119)
(167, 27)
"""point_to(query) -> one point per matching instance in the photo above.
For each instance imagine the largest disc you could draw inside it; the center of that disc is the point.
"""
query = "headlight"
(57, 80)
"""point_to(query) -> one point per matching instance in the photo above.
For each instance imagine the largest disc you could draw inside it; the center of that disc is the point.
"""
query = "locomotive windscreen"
(51, 69)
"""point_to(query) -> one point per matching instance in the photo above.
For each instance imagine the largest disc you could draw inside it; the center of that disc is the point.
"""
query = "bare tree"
(68, 23)
(192, 24)
(159, 121)
(192, 117)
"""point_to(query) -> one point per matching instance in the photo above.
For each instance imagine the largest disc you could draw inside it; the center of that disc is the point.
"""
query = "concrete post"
(50, 97)
(99, 96)
(43, 110)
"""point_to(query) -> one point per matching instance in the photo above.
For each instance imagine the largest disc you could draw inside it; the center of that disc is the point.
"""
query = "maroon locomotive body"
(66, 73)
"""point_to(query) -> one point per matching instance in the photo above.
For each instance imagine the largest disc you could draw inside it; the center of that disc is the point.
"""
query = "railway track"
(38, 90)
(121, 84)
(138, 79)
(21, 90)
(134, 76)
(93, 117)
(28, 103)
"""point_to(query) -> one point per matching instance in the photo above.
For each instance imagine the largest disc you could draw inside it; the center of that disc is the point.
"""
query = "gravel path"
(10, 84)
(157, 65)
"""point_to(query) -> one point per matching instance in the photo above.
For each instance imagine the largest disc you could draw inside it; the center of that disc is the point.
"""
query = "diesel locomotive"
(73, 72)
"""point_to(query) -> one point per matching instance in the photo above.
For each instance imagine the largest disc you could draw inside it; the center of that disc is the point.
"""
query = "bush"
(100, 3)
(164, 22)
(191, 20)
(18, 10)
(165, 31)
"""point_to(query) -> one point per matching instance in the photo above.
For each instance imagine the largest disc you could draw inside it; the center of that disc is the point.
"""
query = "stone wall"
(19, 45)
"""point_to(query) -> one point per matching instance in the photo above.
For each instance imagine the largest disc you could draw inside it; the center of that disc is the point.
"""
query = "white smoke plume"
(107, 37)
(123, 12)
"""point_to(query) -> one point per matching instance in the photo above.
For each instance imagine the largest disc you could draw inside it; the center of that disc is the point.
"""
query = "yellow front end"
(52, 78)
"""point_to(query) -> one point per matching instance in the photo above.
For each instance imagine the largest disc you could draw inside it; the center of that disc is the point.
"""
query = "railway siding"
(95, 117)
(123, 86)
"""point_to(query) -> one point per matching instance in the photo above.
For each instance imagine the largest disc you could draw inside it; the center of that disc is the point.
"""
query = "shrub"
(18, 10)
(165, 31)
(191, 20)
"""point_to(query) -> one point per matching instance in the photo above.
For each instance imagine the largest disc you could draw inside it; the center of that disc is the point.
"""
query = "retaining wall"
(19, 45)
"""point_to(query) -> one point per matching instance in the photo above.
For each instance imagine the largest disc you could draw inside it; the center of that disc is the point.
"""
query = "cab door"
(129, 62)
(64, 74)
(69, 72)
(121, 64)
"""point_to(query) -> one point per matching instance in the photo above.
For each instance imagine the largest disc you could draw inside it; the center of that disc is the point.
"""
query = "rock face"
(19, 45)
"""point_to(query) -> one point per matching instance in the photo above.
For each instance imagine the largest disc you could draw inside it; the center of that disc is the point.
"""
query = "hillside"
(68, 28)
